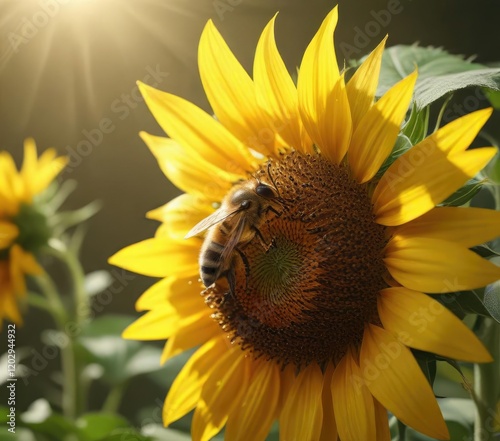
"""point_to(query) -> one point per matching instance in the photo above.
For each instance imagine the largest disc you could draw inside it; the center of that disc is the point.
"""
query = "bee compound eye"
(265, 191)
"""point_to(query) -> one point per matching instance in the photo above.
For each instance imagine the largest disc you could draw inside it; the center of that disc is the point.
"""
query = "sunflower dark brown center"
(306, 287)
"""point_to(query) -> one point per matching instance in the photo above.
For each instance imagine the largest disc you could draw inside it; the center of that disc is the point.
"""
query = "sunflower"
(23, 226)
(334, 289)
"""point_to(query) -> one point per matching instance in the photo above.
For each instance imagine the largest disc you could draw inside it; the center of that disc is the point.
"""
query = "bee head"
(265, 191)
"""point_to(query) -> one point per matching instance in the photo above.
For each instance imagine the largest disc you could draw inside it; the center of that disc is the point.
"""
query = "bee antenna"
(272, 179)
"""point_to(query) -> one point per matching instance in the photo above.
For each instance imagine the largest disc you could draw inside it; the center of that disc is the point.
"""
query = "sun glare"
(85, 45)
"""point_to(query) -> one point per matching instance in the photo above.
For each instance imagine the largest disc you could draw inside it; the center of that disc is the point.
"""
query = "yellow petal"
(421, 179)
(395, 379)
(436, 266)
(329, 426)
(464, 226)
(319, 71)
(187, 170)
(159, 257)
(183, 293)
(421, 322)
(376, 134)
(181, 214)
(155, 295)
(382, 422)
(231, 92)
(29, 166)
(186, 389)
(191, 331)
(193, 128)
(11, 188)
(21, 263)
(457, 135)
(352, 402)
(287, 379)
(363, 84)
(8, 233)
(222, 392)
(27, 261)
(302, 414)
(252, 419)
(45, 174)
(336, 124)
(158, 324)
(8, 300)
(37, 173)
(276, 91)
(323, 103)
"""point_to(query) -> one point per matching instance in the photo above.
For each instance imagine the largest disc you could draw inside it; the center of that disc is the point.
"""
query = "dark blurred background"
(68, 70)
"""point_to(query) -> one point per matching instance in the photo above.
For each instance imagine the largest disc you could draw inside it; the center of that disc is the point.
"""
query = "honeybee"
(236, 222)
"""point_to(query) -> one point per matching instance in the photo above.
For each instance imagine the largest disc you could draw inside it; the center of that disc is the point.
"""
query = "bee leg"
(231, 279)
(262, 241)
(247, 270)
(276, 212)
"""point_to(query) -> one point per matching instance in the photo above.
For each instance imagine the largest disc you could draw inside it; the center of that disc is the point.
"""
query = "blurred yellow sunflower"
(327, 297)
(23, 228)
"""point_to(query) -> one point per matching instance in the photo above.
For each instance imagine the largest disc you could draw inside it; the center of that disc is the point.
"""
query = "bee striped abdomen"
(211, 263)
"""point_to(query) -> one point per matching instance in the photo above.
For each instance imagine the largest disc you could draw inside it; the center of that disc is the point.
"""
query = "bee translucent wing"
(215, 218)
(234, 239)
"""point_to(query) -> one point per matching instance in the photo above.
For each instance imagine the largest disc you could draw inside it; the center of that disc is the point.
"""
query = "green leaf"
(485, 251)
(40, 419)
(402, 145)
(158, 433)
(459, 410)
(63, 220)
(120, 358)
(466, 193)
(493, 97)
(463, 303)
(21, 434)
(492, 169)
(97, 426)
(450, 382)
(491, 300)
(128, 434)
(430, 89)
(97, 281)
(417, 125)
(60, 195)
(399, 61)
(427, 363)
(439, 72)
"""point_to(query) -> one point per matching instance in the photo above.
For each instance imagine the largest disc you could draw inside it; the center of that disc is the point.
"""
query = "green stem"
(40, 302)
(82, 307)
(70, 380)
(486, 385)
(114, 398)
(441, 112)
(55, 306)
(496, 192)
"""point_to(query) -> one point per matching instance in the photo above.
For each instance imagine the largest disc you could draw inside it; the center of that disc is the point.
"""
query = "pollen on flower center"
(305, 289)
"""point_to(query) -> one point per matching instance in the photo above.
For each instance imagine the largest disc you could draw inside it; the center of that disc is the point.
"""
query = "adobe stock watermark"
(469, 104)
(120, 108)
(30, 25)
(223, 6)
(372, 29)
(40, 359)
(260, 140)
